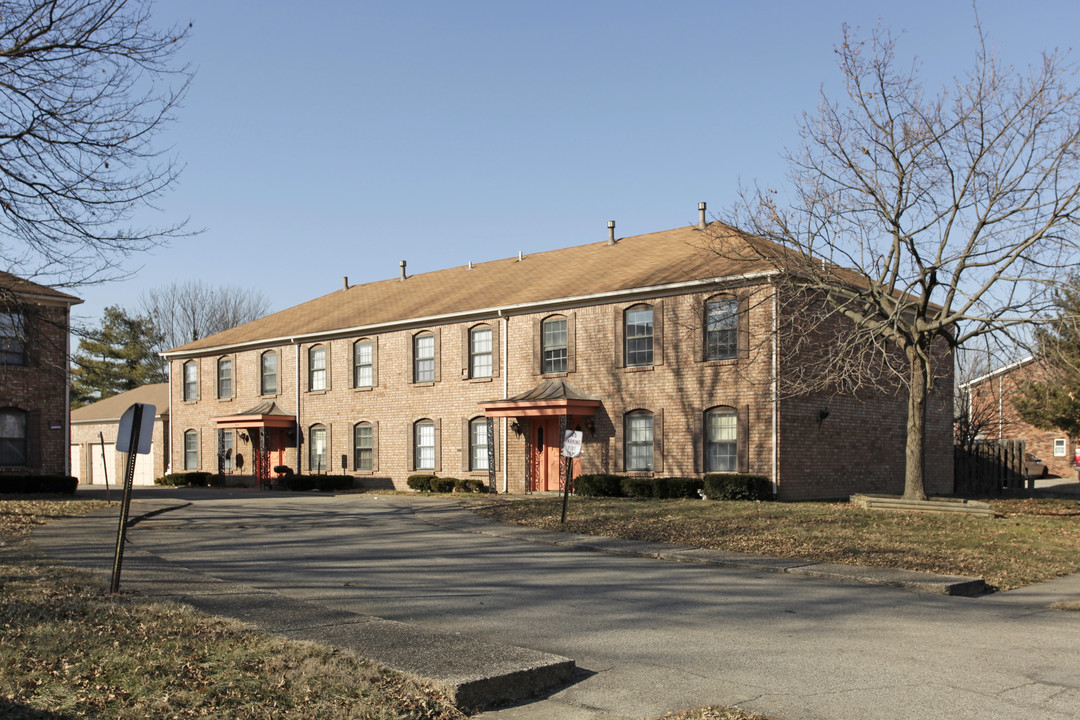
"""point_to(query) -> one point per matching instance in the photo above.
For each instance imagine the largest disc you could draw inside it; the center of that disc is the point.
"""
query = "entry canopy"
(551, 397)
(266, 414)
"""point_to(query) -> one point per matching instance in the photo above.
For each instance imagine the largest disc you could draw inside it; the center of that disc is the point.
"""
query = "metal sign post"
(571, 450)
(134, 436)
(104, 466)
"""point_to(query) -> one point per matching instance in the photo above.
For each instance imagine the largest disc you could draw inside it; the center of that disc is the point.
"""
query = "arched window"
(478, 444)
(224, 378)
(424, 358)
(638, 436)
(191, 381)
(363, 364)
(639, 336)
(317, 367)
(12, 338)
(722, 328)
(553, 344)
(424, 445)
(721, 440)
(480, 349)
(363, 446)
(317, 448)
(14, 451)
(191, 450)
(268, 372)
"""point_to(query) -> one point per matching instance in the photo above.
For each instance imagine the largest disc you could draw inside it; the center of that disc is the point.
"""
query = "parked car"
(1034, 467)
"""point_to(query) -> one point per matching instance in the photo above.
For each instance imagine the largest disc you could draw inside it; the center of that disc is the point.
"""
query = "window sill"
(364, 388)
(726, 361)
(639, 368)
(430, 383)
(555, 375)
(481, 379)
(225, 399)
(316, 392)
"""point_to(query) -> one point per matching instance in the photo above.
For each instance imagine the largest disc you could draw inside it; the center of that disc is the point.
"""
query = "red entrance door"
(545, 453)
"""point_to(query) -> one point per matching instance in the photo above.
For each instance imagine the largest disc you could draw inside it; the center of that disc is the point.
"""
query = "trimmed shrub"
(677, 487)
(194, 479)
(637, 487)
(323, 483)
(469, 485)
(420, 483)
(29, 484)
(443, 485)
(598, 485)
(736, 486)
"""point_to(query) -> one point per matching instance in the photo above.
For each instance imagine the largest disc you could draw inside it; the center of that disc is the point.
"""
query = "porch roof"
(551, 397)
(266, 414)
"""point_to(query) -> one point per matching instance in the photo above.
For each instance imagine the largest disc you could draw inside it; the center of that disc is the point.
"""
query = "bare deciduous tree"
(183, 312)
(85, 87)
(923, 220)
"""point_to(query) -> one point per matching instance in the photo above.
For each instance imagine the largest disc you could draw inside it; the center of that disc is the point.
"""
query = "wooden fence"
(989, 468)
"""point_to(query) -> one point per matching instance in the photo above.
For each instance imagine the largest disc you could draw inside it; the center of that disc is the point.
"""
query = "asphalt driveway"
(652, 635)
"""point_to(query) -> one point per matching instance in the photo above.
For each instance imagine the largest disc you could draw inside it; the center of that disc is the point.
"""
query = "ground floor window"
(362, 441)
(639, 442)
(13, 445)
(191, 450)
(317, 449)
(225, 451)
(425, 445)
(1061, 447)
(721, 440)
(478, 444)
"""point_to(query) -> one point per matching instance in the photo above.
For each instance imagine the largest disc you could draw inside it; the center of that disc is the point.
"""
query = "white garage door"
(76, 463)
(144, 468)
(97, 470)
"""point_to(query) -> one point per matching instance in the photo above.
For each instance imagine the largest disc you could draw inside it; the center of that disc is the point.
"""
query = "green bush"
(29, 484)
(736, 486)
(598, 485)
(677, 487)
(194, 479)
(469, 485)
(443, 485)
(323, 483)
(637, 487)
(420, 483)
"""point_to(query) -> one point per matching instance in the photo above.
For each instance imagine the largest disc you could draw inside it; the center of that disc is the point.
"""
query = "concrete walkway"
(647, 635)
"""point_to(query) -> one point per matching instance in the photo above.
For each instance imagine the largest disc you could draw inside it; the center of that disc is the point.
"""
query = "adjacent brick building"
(661, 351)
(34, 401)
(94, 459)
(992, 415)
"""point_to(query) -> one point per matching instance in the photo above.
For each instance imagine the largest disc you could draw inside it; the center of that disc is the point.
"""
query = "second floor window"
(424, 358)
(191, 381)
(480, 352)
(639, 336)
(12, 338)
(224, 378)
(553, 344)
(722, 329)
(363, 364)
(268, 373)
(317, 368)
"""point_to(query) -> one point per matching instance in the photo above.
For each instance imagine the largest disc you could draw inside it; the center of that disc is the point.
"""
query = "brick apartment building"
(662, 352)
(34, 401)
(989, 405)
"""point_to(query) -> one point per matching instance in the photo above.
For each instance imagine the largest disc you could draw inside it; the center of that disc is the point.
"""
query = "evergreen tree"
(1052, 401)
(116, 358)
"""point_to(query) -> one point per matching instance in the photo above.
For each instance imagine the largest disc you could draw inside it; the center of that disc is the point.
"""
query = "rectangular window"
(191, 450)
(362, 365)
(317, 458)
(191, 382)
(224, 378)
(722, 329)
(268, 365)
(13, 446)
(721, 438)
(424, 358)
(1061, 447)
(553, 343)
(317, 368)
(639, 337)
(478, 444)
(639, 442)
(12, 338)
(225, 451)
(362, 441)
(480, 353)
(425, 445)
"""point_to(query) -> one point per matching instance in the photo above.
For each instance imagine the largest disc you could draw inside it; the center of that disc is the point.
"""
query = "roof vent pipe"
(402, 264)
(701, 215)
(345, 280)
(610, 232)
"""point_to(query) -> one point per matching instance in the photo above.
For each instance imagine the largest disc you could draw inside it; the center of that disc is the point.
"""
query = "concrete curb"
(453, 516)
(471, 673)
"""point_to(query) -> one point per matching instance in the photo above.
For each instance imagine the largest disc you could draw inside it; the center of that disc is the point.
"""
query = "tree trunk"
(914, 487)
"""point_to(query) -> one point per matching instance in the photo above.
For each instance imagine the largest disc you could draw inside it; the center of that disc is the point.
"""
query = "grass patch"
(713, 712)
(69, 650)
(1028, 541)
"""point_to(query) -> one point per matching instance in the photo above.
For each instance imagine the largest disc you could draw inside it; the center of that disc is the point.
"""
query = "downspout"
(298, 455)
(67, 396)
(775, 395)
(505, 393)
(1001, 419)
(168, 468)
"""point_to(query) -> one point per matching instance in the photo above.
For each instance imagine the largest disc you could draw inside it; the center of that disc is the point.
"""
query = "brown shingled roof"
(19, 286)
(642, 261)
(112, 408)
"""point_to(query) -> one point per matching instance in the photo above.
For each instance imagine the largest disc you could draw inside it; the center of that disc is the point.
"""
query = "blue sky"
(332, 139)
